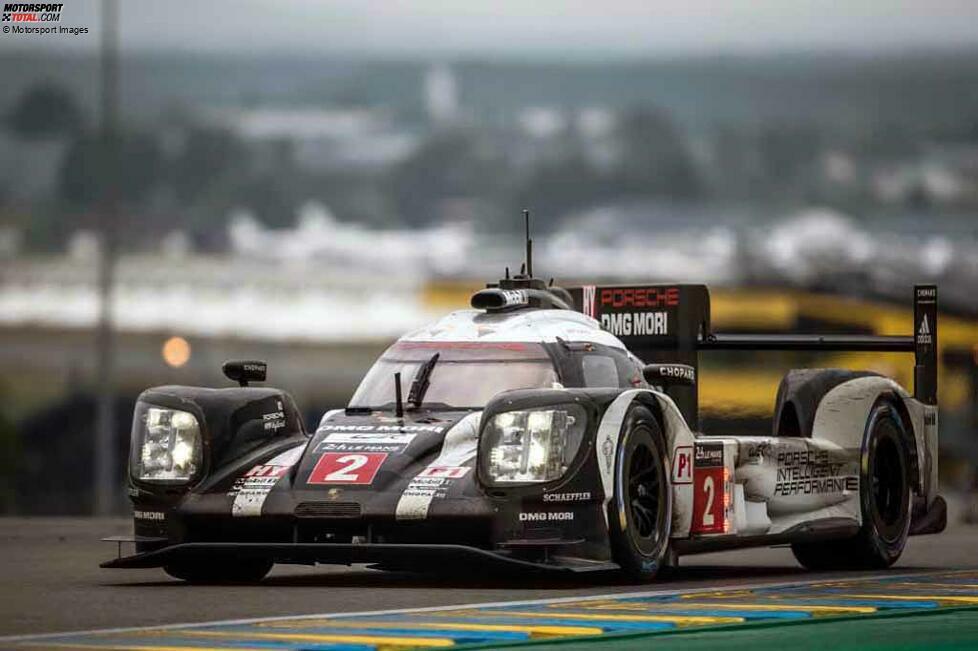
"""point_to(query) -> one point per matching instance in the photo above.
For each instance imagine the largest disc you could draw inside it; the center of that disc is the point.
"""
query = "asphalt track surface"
(51, 582)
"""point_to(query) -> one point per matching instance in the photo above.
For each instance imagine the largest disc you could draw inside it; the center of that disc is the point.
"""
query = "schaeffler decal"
(347, 468)
(251, 489)
(583, 496)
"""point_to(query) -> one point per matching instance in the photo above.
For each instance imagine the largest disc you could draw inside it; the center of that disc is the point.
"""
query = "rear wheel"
(219, 571)
(640, 515)
(885, 494)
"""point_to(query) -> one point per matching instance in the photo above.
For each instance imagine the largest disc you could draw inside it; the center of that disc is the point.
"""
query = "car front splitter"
(401, 556)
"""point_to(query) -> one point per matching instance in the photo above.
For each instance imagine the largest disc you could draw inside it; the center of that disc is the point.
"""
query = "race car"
(546, 430)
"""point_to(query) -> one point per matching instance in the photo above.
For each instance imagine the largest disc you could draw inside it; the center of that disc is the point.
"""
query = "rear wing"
(671, 323)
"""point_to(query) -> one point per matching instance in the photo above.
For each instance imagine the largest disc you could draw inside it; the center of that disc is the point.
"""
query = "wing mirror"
(670, 375)
(244, 372)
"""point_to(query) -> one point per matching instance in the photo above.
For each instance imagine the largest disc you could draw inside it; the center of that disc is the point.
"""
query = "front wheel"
(885, 494)
(213, 571)
(640, 515)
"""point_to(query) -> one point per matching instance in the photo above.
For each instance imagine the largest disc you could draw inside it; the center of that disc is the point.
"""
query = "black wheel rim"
(645, 493)
(888, 485)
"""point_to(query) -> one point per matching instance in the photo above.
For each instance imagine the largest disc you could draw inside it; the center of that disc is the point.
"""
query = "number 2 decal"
(709, 488)
(346, 473)
(346, 468)
(708, 506)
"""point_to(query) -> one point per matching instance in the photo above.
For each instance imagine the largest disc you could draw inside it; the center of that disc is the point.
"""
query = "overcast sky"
(580, 29)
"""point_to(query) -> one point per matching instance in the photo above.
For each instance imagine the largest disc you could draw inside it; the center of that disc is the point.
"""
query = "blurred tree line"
(182, 173)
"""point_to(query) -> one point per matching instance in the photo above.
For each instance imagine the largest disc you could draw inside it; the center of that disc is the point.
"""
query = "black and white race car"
(547, 429)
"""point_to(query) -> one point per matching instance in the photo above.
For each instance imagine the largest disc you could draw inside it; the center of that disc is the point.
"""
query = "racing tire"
(885, 495)
(212, 571)
(640, 513)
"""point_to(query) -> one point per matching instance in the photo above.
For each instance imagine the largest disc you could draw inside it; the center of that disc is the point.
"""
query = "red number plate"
(708, 501)
(347, 467)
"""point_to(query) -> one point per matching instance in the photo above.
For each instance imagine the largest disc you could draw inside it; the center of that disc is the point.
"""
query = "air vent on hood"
(327, 510)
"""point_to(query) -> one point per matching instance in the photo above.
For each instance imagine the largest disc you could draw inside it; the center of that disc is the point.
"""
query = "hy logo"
(589, 291)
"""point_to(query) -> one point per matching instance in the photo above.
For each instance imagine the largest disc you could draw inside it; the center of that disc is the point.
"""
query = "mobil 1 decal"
(434, 482)
(632, 311)
(709, 488)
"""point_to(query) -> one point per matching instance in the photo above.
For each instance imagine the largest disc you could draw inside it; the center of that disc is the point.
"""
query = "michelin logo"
(636, 323)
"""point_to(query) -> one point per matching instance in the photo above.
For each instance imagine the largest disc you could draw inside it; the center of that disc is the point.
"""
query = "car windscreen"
(466, 375)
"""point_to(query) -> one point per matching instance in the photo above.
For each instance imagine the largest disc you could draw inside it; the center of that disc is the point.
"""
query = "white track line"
(492, 604)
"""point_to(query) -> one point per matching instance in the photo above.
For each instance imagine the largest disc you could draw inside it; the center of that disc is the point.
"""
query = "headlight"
(167, 445)
(531, 445)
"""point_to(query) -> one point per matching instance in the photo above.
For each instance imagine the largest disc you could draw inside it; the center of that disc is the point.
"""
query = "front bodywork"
(405, 492)
(374, 483)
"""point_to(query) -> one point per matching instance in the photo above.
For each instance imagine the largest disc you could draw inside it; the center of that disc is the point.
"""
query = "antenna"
(398, 401)
(507, 273)
(529, 245)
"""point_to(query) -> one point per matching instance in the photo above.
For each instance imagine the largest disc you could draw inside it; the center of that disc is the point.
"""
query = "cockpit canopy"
(467, 374)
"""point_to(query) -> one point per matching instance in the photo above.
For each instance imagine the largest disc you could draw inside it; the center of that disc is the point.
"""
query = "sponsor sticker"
(515, 297)
(567, 497)
(347, 468)
(158, 516)
(450, 472)
(429, 487)
(638, 297)
(589, 292)
(812, 472)
(636, 323)
(389, 442)
(923, 332)
(275, 420)
(547, 516)
(709, 455)
(250, 491)
(379, 430)
(394, 437)
(608, 450)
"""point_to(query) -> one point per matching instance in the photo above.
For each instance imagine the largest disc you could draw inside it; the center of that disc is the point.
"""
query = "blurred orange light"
(176, 351)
